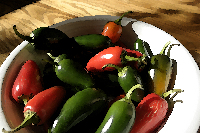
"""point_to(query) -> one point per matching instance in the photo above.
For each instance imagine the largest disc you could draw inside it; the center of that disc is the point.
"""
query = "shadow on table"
(8, 6)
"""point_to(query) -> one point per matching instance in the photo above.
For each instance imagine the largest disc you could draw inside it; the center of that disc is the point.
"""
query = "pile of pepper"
(93, 83)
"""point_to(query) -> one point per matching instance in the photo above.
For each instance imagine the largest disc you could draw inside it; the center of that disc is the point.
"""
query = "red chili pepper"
(41, 107)
(152, 111)
(109, 55)
(114, 29)
(112, 55)
(28, 82)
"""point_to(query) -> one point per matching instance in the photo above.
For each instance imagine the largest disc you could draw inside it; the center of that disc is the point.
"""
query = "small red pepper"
(151, 112)
(112, 55)
(41, 107)
(28, 82)
(114, 29)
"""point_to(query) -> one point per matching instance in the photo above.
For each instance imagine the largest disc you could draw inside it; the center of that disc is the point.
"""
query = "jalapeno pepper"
(152, 111)
(112, 55)
(54, 40)
(114, 29)
(41, 107)
(93, 41)
(163, 68)
(108, 82)
(28, 82)
(127, 78)
(77, 108)
(120, 116)
(72, 72)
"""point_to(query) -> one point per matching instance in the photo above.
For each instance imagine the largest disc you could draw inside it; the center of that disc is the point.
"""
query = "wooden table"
(180, 18)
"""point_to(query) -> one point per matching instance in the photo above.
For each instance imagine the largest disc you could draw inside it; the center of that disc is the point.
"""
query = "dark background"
(7, 6)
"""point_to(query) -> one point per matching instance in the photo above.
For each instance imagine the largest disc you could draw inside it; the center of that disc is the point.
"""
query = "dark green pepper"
(78, 107)
(93, 41)
(72, 72)
(54, 40)
(138, 45)
(143, 47)
(127, 78)
(108, 82)
(162, 65)
(120, 116)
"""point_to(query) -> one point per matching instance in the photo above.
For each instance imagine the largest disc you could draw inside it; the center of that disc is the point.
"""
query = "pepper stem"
(127, 98)
(164, 48)
(51, 56)
(30, 117)
(112, 65)
(29, 39)
(118, 21)
(168, 53)
(140, 59)
(166, 94)
(51, 62)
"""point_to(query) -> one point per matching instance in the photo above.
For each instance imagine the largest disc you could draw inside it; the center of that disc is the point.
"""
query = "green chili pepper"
(54, 40)
(120, 116)
(93, 41)
(108, 82)
(127, 78)
(162, 65)
(138, 45)
(72, 72)
(43, 37)
(78, 107)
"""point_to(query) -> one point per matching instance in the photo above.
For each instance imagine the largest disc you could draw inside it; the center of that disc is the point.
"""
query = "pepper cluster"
(94, 76)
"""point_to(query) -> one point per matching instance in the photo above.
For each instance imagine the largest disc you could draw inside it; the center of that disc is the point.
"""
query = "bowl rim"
(12, 55)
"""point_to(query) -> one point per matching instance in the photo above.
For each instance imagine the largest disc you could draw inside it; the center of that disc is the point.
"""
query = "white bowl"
(184, 118)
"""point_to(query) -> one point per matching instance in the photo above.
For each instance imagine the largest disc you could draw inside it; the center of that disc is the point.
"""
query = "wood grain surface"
(180, 18)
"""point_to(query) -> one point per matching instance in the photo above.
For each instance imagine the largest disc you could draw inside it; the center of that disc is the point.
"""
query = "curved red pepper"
(41, 107)
(46, 102)
(110, 55)
(150, 113)
(113, 55)
(28, 82)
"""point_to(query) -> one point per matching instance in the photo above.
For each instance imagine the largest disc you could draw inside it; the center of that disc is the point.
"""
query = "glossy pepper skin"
(71, 72)
(93, 41)
(162, 65)
(112, 55)
(28, 82)
(127, 78)
(78, 107)
(41, 107)
(114, 29)
(120, 116)
(151, 112)
(54, 40)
